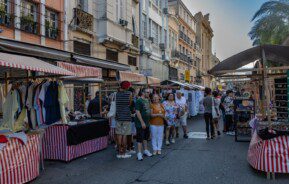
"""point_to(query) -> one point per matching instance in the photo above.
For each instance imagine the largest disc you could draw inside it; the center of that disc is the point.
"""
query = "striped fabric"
(269, 155)
(20, 163)
(123, 112)
(32, 64)
(81, 71)
(55, 145)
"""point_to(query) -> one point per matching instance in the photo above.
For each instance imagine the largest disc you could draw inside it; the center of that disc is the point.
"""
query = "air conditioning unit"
(162, 46)
(125, 47)
(136, 68)
(123, 22)
(165, 11)
(152, 39)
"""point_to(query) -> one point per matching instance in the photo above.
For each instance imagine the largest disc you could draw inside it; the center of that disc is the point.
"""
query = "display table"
(67, 142)
(20, 163)
(271, 156)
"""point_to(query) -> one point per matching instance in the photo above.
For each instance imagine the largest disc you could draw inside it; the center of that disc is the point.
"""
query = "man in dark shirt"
(94, 106)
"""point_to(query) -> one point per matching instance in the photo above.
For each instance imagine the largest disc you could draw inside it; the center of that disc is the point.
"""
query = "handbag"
(215, 112)
(112, 109)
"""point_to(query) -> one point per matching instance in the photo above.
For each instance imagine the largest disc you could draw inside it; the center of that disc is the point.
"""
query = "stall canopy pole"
(100, 99)
(265, 85)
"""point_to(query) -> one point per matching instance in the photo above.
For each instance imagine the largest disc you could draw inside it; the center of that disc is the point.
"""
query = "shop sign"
(187, 76)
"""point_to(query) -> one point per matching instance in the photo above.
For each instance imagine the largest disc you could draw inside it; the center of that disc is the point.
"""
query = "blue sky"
(231, 22)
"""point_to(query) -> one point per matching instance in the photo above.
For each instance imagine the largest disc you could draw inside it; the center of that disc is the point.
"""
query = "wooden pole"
(100, 99)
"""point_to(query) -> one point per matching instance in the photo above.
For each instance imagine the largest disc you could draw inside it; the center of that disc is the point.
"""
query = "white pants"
(157, 133)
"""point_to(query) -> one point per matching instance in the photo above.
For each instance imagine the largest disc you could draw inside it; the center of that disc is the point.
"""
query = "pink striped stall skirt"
(269, 155)
(55, 145)
(20, 163)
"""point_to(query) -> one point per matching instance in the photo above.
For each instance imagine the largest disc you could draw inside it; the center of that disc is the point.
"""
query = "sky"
(231, 22)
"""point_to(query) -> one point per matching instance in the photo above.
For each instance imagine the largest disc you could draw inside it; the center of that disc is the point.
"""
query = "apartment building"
(36, 21)
(187, 39)
(154, 58)
(117, 31)
(204, 38)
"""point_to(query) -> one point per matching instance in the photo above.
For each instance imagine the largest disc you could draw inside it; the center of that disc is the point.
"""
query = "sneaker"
(131, 152)
(147, 153)
(118, 156)
(232, 133)
(159, 152)
(154, 153)
(173, 141)
(126, 156)
(186, 136)
(139, 157)
(167, 143)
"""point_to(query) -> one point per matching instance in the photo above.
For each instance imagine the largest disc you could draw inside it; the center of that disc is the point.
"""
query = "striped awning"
(30, 64)
(82, 71)
(131, 77)
(153, 81)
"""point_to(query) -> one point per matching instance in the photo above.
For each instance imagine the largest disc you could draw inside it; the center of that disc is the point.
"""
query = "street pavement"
(191, 161)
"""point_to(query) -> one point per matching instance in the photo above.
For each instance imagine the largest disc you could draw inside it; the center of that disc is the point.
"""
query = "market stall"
(76, 135)
(269, 149)
(20, 138)
(193, 93)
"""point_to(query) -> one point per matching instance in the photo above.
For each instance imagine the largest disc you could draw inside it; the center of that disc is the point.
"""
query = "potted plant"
(27, 23)
(47, 28)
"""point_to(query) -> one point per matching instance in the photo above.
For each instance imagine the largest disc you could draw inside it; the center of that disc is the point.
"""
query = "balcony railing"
(28, 24)
(186, 38)
(135, 40)
(175, 54)
(83, 20)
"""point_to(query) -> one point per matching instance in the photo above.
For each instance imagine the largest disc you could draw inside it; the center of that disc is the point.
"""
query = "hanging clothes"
(63, 100)
(42, 98)
(2, 98)
(10, 108)
(51, 104)
(29, 105)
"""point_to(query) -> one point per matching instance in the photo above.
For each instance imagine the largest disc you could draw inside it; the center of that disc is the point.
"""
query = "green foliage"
(271, 23)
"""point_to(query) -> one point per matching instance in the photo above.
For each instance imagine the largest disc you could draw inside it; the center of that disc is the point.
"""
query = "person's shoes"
(147, 153)
(131, 152)
(139, 157)
(232, 133)
(186, 136)
(219, 133)
(126, 156)
(154, 153)
(159, 152)
(212, 137)
(167, 143)
(118, 156)
(208, 138)
(173, 141)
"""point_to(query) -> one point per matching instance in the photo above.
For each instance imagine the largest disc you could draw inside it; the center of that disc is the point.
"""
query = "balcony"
(186, 38)
(28, 24)
(135, 40)
(185, 58)
(6, 19)
(83, 20)
(175, 54)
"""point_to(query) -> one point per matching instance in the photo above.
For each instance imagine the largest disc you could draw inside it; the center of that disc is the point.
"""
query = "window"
(154, 31)
(82, 48)
(120, 10)
(5, 16)
(28, 19)
(111, 55)
(132, 61)
(51, 24)
(144, 25)
(133, 25)
(83, 5)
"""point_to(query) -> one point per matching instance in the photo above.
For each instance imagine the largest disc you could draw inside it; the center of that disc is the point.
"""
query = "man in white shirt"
(183, 112)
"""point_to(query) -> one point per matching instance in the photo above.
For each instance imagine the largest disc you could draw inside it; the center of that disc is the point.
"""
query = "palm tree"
(271, 23)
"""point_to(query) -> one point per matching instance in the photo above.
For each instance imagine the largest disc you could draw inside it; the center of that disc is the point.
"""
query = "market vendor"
(94, 107)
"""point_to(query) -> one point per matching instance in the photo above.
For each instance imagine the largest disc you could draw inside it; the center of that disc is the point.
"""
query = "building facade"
(154, 58)
(37, 21)
(204, 39)
(186, 47)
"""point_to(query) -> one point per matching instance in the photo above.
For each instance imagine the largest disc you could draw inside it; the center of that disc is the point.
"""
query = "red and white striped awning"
(30, 64)
(82, 71)
(153, 81)
(131, 77)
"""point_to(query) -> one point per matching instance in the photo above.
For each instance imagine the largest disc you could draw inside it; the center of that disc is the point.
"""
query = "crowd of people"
(148, 115)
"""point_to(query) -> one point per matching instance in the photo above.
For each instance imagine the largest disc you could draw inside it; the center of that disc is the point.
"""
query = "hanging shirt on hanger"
(42, 97)
(63, 100)
(10, 107)
(51, 104)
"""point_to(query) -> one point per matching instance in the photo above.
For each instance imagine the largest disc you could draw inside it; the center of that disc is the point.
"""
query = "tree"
(271, 23)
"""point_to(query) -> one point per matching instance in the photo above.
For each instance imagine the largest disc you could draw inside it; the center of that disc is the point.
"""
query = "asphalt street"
(191, 161)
